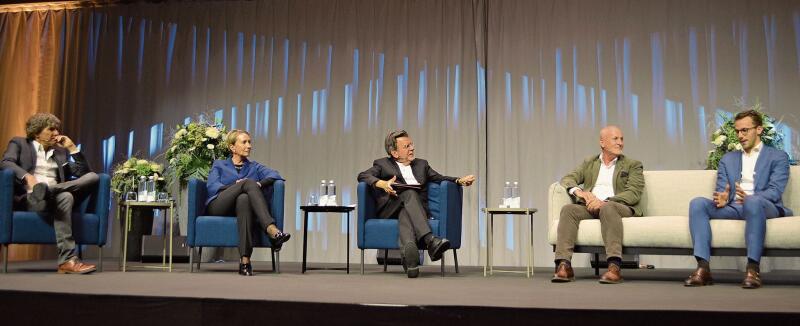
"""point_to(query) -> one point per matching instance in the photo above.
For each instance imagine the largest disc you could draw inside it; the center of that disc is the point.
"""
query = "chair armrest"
(197, 195)
(557, 197)
(452, 197)
(276, 206)
(6, 204)
(101, 200)
(366, 210)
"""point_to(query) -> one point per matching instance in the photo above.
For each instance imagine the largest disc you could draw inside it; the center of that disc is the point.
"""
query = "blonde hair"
(230, 138)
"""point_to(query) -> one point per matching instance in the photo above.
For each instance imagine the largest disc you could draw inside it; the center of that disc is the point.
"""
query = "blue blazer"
(223, 173)
(771, 175)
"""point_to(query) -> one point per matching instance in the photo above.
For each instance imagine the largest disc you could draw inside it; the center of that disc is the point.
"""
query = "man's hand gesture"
(721, 198)
(386, 185)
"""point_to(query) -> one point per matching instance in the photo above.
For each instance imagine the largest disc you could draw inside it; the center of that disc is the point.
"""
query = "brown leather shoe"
(612, 276)
(700, 277)
(563, 273)
(752, 280)
(75, 266)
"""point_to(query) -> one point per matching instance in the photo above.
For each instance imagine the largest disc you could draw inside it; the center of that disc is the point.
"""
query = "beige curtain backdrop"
(324, 81)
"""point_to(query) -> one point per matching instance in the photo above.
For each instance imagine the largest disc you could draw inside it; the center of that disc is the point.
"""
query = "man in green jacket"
(605, 186)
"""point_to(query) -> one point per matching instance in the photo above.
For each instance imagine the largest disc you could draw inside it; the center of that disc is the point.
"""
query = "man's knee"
(699, 204)
(608, 210)
(571, 210)
(64, 201)
(754, 206)
(91, 178)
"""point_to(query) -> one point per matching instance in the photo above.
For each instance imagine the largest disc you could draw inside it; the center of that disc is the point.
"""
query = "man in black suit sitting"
(400, 188)
(48, 183)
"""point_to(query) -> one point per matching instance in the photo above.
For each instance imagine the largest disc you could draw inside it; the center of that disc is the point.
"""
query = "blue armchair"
(444, 201)
(89, 222)
(221, 231)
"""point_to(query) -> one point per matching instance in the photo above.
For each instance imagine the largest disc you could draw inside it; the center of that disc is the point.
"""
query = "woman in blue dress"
(235, 187)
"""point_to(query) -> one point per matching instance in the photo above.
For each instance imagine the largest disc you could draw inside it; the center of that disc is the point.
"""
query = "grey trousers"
(62, 198)
(411, 216)
(610, 216)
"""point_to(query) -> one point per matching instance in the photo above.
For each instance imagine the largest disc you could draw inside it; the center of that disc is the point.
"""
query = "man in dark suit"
(399, 183)
(750, 185)
(48, 183)
(606, 187)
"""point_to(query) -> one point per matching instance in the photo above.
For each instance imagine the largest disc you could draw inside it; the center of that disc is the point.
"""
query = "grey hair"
(40, 121)
(390, 144)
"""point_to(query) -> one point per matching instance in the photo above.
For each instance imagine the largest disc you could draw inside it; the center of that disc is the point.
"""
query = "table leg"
(125, 241)
(491, 244)
(171, 226)
(163, 240)
(530, 249)
(305, 239)
(486, 256)
(348, 242)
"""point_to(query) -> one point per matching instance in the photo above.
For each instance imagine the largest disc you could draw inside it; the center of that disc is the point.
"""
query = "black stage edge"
(46, 308)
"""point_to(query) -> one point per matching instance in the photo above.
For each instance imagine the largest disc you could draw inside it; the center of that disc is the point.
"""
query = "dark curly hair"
(39, 122)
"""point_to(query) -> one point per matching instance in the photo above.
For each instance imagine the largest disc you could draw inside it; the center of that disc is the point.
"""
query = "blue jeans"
(755, 211)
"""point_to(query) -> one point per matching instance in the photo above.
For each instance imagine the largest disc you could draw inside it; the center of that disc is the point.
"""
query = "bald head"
(611, 142)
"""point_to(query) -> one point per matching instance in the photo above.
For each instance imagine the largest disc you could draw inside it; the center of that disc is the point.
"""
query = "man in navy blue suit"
(750, 184)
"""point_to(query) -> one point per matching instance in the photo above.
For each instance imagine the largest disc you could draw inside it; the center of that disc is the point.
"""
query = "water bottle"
(331, 193)
(142, 188)
(515, 200)
(323, 193)
(506, 195)
(151, 189)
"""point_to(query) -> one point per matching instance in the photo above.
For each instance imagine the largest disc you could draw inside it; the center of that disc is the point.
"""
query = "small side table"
(491, 212)
(168, 206)
(325, 209)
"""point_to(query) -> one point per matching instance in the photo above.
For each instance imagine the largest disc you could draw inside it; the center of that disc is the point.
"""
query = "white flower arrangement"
(193, 149)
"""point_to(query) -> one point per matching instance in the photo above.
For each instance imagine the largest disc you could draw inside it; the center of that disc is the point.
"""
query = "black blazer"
(20, 157)
(385, 168)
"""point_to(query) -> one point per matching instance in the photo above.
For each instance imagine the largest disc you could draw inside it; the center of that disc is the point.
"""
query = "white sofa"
(664, 228)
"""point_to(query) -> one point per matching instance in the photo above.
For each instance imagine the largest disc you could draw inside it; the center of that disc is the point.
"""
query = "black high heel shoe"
(246, 269)
(279, 239)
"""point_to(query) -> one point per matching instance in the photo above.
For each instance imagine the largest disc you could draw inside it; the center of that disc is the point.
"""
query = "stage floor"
(642, 290)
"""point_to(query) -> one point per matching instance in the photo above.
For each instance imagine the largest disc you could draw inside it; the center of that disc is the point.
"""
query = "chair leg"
(455, 259)
(199, 257)
(5, 258)
(100, 257)
(362, 261)
(278, 262)
(272, 253)
(596, 264)
(191, 260)
(442, 265)
(385, 259)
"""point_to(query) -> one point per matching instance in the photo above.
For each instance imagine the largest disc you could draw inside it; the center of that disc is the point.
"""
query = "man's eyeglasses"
(744, 130)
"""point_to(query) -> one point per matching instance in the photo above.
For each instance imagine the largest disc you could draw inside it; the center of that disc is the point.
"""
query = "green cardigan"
(628, 180)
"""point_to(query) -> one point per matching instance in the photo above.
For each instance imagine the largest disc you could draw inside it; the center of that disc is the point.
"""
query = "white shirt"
(407, 173)
(604, 187)
(749, 169)
(46, 169)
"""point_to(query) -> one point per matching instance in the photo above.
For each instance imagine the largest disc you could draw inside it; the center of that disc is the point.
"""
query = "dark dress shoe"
(612, 276)
(410, 259)
(752, 280)
(700, 277)
(37, 199)
(437, 247)
(75, 266)
(246, 269)
(279, 239)
(563, 273)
